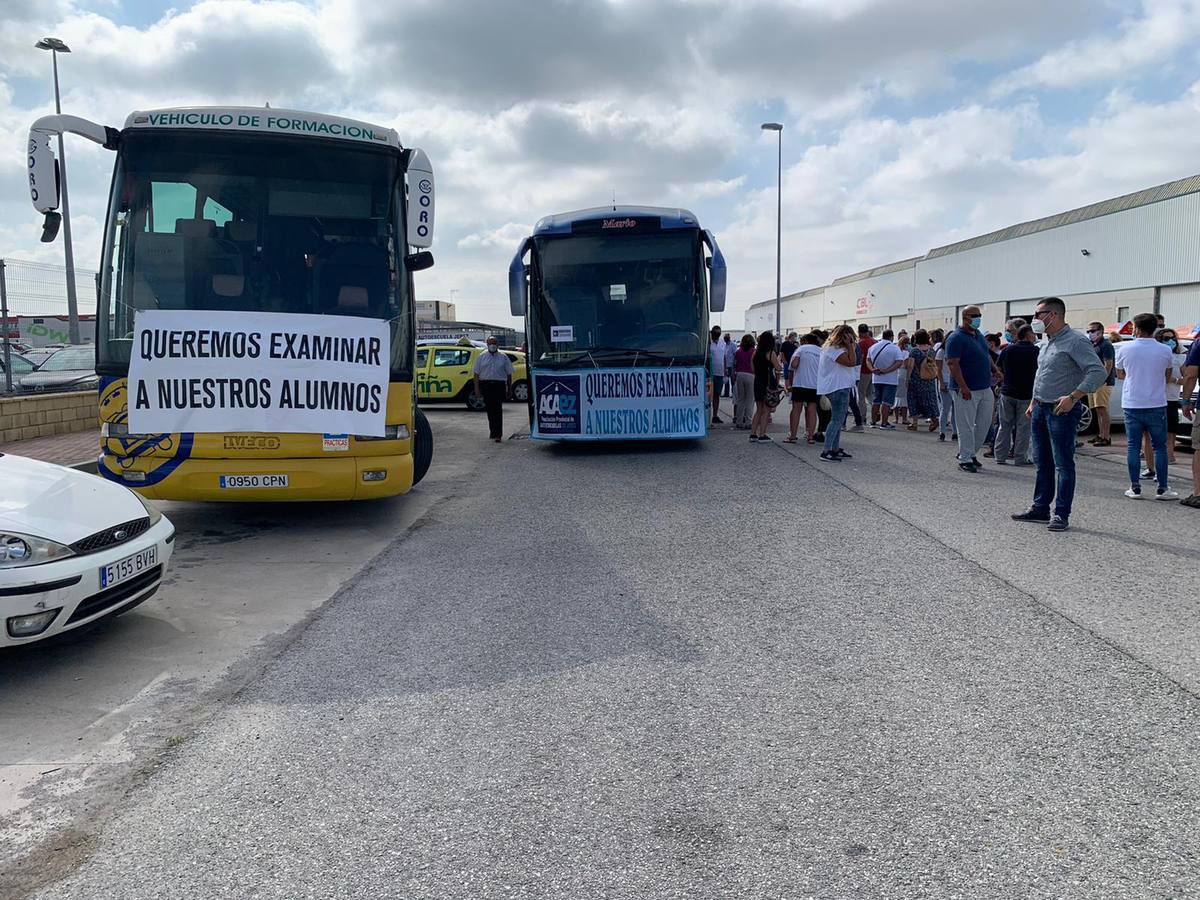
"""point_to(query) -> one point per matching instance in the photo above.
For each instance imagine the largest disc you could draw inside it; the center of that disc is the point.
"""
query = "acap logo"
(558, 405)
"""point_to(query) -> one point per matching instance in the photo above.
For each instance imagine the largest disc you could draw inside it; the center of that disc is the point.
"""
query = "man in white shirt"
(716, 369)
(885, 360)
(493, 374)
(1144, 365)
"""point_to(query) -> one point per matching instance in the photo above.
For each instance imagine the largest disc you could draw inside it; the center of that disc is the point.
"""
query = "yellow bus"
(265, 211)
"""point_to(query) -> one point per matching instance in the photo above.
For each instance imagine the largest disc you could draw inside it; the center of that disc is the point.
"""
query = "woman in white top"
(900, 408)
(802, 380)
(836, 374)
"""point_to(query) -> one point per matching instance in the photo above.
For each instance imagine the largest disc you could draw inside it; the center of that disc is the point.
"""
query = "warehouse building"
(1108, 261)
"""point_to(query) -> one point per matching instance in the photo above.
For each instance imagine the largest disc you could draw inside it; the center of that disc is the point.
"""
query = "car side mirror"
(50, 227)
(417, 262)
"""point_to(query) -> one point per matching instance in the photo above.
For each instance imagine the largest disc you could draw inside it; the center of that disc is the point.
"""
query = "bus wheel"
(422, 446)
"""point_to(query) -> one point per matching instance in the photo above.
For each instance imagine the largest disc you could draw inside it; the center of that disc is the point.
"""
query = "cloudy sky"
(907, 124)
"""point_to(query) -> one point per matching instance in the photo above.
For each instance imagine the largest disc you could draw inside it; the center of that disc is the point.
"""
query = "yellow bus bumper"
(342, 478)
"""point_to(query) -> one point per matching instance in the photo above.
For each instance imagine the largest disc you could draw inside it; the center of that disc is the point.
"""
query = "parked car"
(68, 369)
(38, 355)
(21, 366)
(444, 372)
(74, 549)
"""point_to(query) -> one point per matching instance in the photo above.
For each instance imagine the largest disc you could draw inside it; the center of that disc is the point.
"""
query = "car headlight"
(151, 510)
(18, 550)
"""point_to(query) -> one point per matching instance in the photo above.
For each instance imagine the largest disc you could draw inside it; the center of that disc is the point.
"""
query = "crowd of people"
(1016, 398)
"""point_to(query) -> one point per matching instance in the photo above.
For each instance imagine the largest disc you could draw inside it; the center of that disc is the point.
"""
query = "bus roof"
(564, 223)
(264, 119)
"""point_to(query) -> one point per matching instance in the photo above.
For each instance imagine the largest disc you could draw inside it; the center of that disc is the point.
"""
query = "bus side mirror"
(518, 281)
(417, 262)
(43, 173)
(50, 227)
(717, 275)
(420, 199)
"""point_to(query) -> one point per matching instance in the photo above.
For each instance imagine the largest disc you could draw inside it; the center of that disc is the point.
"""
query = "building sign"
(620, 404)
(213, 371)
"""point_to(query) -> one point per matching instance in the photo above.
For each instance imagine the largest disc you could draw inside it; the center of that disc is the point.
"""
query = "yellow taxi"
(443, 372)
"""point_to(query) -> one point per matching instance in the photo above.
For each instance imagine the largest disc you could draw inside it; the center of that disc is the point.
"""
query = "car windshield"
(71, 359)
(20, 365)
(253, 223)
(631, 299)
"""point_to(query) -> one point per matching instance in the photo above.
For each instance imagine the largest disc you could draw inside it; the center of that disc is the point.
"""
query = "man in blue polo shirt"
(970, 362)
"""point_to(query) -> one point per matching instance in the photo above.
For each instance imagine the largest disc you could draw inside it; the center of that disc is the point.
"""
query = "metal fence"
(33, 311)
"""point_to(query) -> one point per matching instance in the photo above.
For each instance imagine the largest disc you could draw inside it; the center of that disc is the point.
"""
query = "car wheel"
(475, 404)
(422, 445)
(520, 392)
(1087, 422)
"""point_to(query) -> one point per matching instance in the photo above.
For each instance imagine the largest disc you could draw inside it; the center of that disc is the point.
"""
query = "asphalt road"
(709, 671)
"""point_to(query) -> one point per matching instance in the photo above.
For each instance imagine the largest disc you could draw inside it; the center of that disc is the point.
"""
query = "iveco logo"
(251, 442)
(120, 534)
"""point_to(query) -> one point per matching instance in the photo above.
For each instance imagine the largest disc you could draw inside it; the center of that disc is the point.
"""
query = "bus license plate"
(254, 481)
(124, 569)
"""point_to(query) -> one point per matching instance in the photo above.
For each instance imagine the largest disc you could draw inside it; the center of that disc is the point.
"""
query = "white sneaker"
(1168, 494)
(1133, 495)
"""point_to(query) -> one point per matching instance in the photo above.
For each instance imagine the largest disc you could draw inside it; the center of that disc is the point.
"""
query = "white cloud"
(1152, 38)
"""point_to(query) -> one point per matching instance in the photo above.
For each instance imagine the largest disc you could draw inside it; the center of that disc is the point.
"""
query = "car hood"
(55, 379)
(58, 503)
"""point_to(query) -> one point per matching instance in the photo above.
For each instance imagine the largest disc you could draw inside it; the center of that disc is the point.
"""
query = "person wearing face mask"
(970, 362)
(1099, 399)
(1068, 370)
(493, 374)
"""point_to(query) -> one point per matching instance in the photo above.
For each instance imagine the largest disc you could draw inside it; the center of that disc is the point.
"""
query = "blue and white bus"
(616, 303)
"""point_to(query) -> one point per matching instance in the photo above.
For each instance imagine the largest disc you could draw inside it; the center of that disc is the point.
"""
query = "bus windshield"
(203, 221)
(627, 300)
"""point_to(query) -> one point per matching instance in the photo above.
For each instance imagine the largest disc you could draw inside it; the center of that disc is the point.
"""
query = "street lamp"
(55, 46)
(778, 129)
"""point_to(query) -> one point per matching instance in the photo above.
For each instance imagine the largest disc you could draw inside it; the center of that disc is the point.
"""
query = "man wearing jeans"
(1144, 365)
(970, 362)
(1068, 370)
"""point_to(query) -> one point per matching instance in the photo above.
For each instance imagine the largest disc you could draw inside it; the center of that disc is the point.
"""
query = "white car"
(74, 548)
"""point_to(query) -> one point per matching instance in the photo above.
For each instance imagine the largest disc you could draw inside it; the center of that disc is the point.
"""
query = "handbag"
(774, 392)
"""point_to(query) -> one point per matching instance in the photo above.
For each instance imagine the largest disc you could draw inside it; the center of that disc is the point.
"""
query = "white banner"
(611, 404)
(251, 371)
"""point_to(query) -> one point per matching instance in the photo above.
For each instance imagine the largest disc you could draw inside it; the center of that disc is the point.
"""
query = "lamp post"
(55, 46)
(778, 129)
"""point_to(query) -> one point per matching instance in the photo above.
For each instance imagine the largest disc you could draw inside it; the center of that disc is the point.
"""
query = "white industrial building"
(1108, 261)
